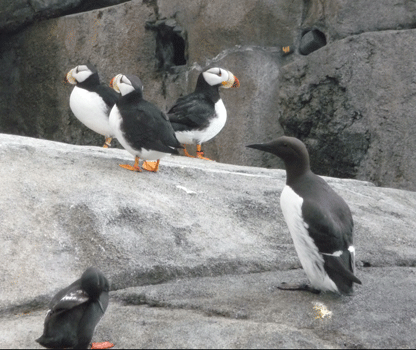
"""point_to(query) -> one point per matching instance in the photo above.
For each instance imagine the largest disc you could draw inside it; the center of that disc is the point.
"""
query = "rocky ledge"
(194, 253)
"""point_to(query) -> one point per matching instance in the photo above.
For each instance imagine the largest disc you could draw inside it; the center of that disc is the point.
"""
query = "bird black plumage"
(141, 127)
(319, 221)
(75, 311)
(90, 101)
(201, 115)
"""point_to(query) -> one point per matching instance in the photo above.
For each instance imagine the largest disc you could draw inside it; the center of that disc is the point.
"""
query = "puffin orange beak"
(69, 78)
(112, 83)
(236, 83)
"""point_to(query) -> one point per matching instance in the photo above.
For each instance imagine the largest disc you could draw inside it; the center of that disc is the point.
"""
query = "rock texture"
(194, 252)
(334, 73)
(352, 103)
(16, 14)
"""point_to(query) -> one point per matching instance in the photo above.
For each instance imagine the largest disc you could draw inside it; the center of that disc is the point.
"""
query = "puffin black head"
(81, 73)
(291, 150)
(94, 283)
(218, 77)
(126, 84)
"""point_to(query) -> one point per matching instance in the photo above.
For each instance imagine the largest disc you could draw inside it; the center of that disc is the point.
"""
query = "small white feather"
(77, 295)
(337, 253)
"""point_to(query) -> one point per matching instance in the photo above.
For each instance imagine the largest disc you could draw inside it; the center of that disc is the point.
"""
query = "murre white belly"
(309, 256)
(91, 110)
(200, 136)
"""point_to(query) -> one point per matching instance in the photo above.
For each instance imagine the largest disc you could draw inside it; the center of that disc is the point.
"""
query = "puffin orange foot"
(185, 152)
(107, 142)
(200, 155)
(151, 166)
(103, 345)
(130, 167)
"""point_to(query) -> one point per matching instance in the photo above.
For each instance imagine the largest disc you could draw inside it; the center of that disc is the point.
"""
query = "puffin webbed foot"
(102, 345)
(200, 153)
(107, 142)
(130, 167)
(185, 152)
(135, 167)
(298, 286)
(151, 166)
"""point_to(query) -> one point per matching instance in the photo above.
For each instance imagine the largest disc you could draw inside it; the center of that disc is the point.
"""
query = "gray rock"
(194, 252)
(16, 14)
(352, 122)
(339, 19)
(350, 102)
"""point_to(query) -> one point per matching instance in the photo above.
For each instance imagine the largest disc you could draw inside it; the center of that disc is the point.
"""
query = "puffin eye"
(219, 72)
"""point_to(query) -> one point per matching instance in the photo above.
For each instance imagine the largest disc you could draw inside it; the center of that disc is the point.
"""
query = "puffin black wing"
(145, 125)
(191, 112)
(109, 95)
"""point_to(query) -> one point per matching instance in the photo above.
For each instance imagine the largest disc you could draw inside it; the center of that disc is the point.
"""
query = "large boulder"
(194, 252)
(16, 14)
(300, 63)
(339, 19)
(351, 102)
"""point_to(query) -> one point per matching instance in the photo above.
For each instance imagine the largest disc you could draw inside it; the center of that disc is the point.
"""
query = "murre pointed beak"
(260, 146)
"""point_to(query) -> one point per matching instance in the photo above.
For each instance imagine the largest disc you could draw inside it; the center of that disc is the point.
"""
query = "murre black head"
(94, 283)
(291, 150)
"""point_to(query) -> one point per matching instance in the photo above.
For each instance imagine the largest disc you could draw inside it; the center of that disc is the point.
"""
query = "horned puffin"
(141, 128)
(75, 311)
(201, 115)
(319, 221)
(90, 101)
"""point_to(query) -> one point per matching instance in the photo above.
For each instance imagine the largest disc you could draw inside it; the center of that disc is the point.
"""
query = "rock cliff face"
(194, 253)
(336, 74)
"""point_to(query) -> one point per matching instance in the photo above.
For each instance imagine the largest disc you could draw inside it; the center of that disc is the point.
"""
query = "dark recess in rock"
(312, 41)
(170, 44)
(89, 5)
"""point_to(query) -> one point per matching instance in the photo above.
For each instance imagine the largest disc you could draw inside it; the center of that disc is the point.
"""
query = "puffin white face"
(78, 74)
(215, 76)
(121, 84)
